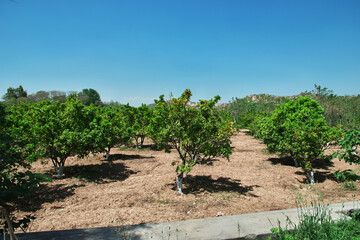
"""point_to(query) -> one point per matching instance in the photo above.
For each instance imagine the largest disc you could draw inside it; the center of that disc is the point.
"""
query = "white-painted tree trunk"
(311, 177)
(59, 171)
(179, 181)
(107, 155)
(355, 152)
(296, 162)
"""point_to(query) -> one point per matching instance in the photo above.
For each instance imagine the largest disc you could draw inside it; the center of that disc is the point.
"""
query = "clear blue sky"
(133, 51)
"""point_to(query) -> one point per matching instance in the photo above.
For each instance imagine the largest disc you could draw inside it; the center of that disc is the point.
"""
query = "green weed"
(315, 222)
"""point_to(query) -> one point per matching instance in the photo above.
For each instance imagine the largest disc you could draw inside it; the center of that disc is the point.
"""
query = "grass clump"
(319, 227)
(315, 222)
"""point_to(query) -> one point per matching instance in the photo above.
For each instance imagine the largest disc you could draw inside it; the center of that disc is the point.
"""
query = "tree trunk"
(59, 171)
(179, 180)
(310, 176)
(296, 162)
(137, 143)
(59, 167)
(7, 219)
(107, 153)
(142, 141)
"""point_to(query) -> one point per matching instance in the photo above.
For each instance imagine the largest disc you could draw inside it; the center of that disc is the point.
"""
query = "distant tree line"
(15, 95)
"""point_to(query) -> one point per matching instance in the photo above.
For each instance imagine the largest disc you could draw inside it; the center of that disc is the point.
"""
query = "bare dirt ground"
(139, 187)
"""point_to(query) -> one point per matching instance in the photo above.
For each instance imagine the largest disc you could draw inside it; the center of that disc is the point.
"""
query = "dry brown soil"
(139, 187)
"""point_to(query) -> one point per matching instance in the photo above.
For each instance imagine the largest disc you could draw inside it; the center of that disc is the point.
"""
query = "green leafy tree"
(256, 126)
(195, 132)
(349, 147)
(297, 128)
(340, 111)
(139, 120)
(89, 96)
(58, 96)
(142, 118)
(54, 130)
(245, 110)
(16, 179)
(128, 113)
(321, 91)
(39, 96)
(349, 152)
(109, 129)
(15, 93)
(142, 122)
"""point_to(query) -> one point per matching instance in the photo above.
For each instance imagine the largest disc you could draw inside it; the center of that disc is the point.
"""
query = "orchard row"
(54, 130)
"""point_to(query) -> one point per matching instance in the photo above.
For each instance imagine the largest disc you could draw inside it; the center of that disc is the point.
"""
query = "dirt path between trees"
(139, 187)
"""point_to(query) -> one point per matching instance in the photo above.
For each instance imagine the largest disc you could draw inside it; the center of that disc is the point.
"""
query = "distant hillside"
(193, 104)
(338, 110)
(267, 97)
(274, 100)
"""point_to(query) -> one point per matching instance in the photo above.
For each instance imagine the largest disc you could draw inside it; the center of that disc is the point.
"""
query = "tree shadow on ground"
(47, 194)
(245, 150)
(144, 147)
(119, 156)
(200, 184)
(319, 176)
(208, 161)
(283, 160)
(99, 173)
(151, 147)
(322, 163)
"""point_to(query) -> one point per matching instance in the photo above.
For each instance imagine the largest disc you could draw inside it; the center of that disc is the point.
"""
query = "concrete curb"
(244, 226)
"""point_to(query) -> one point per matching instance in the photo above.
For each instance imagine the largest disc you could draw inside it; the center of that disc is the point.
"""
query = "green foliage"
(115, 105)
(39, 96)
(195, 132)
(14, 183)
(339, 111)
(89, 96)
(257, 123)
(349, 144)
(108, 129)
(139, 118)
(316, 223)
(244, 111)
(322, 91)
(53, 130)
(15, 93)
(297, 128)
(349, 147)
(346, 175)
(143, 115)
(347, 178)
